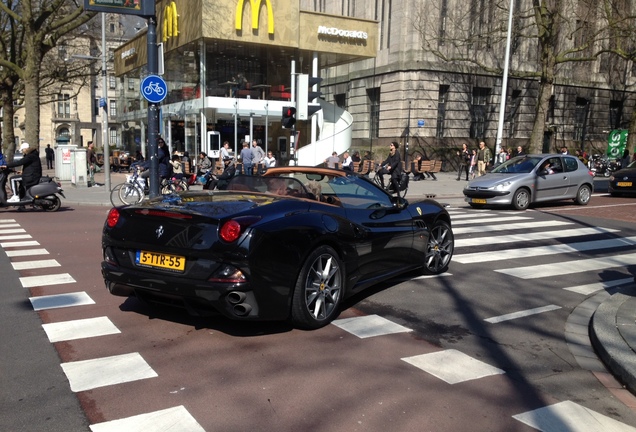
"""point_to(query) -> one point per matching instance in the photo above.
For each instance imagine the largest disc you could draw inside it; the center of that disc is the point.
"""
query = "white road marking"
(26, 252)
(508, 226)
(453, 366)
(570, 267)
(171, 419)
(46, 280)
(6, 221)
(369, 326)
(543, 235)
(19, 244)
(12, 229)
(570, 416)
(57, 301)
(28, 265)
(79, 329)
(481, 220)
(15, 237)
(478, 257)
(100, 372)
(594, 287)
(521, 314)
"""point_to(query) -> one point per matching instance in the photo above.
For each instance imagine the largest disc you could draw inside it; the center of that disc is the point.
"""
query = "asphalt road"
(480, 348)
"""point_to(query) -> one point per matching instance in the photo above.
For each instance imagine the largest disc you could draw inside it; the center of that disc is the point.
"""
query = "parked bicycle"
(134, 189)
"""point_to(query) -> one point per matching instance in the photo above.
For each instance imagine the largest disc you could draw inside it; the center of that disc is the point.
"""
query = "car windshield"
(518, 165)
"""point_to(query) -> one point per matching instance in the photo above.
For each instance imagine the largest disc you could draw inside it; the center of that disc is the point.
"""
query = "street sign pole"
(153, 108)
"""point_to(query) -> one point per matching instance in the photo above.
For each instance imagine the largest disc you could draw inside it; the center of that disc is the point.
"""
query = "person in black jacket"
(31, 172)
(393, 166)
(222, 181)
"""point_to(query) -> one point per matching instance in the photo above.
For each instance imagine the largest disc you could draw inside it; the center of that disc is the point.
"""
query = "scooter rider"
(31, 171)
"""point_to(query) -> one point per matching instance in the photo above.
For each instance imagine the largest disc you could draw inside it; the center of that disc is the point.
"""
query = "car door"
(384, 233)
(551, 186)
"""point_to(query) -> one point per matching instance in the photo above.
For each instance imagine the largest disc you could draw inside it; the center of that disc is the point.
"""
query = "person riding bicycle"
(163, 162)
(393, 166)
(31, 171)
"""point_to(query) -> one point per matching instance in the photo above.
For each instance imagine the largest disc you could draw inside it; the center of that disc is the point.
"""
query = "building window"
(580, 118)
(374, 112)
(616, 114)
(16, 121)
(513, 108)
(441, 110)
(112, 81)
(341, 100)
(131, 83)
(443, 16)
(112, 108)
(63, 106)
(478, 111)
(96, 107)
(112, 136)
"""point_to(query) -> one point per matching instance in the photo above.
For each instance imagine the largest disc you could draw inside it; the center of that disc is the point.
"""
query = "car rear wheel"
(439, 249)
(521, 199)
(583, 195)
(318, 290)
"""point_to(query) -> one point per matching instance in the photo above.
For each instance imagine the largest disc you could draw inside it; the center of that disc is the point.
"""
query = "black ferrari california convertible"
(291, 244)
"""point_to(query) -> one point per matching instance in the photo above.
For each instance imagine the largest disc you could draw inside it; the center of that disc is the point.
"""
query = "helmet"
(24, 146)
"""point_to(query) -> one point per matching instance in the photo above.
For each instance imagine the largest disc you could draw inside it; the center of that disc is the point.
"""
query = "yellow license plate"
(158, 260)
(478, 201)
(624, 184)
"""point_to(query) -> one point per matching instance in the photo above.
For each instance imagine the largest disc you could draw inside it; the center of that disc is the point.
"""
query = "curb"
(611, 322)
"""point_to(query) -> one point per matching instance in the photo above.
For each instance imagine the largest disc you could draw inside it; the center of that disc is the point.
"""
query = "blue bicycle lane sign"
(153, 88)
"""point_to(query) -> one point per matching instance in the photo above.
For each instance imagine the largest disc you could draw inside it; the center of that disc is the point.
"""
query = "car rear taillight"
(112, 218)
(231, 230)
(227, 274)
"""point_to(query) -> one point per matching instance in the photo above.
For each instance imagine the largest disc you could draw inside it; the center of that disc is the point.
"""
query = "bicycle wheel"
(126, 194)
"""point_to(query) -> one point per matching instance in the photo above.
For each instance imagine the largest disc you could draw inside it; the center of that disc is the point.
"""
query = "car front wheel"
(439, 249)
(319, 289)
(583, 195)
(521, 199)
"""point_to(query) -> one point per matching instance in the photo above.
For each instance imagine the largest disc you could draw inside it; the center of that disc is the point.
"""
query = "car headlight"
(501, 186)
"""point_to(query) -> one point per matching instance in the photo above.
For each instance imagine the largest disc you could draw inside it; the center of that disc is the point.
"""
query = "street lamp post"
(105, 132)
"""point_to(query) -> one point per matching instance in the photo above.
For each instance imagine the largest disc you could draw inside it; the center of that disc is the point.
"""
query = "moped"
(42, 196)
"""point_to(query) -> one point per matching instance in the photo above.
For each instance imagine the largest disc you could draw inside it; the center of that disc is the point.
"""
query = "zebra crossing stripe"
(6, 221)
(453, 366)
(46, 280)
(157, 421)
(19, 244)
(15, 237)
(12, 231)
(57, 301)
(490, 219)
(522, 314)
(511, 226)
(570, 416)
(594, 287)
(570, 267)
(542, 235)
(100, 372)
(28, 265)
(79, 329)
(479, 257)
(369, 326)
(26, 252)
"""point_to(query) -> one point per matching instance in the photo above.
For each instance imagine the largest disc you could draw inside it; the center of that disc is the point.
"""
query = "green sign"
(125, 7)
(616, 143)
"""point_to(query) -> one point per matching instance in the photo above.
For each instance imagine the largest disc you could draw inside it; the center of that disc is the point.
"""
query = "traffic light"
(305, 96)
(289, 117)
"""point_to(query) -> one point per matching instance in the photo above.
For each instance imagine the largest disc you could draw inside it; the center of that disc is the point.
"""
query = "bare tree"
(549, 38)
(39, 26)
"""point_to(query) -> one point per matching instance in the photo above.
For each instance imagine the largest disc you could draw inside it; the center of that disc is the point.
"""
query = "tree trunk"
(541, 110)
(31, 81)
(631, 137)
(8, 134)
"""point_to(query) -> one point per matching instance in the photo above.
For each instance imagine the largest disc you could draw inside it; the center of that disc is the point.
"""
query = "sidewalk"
(603, 326)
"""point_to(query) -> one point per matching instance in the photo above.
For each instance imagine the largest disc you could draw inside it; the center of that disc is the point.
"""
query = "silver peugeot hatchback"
(528, 179)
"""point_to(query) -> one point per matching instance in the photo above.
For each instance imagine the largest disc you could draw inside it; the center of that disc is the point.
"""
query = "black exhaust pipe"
(236, 297)
(242, 309)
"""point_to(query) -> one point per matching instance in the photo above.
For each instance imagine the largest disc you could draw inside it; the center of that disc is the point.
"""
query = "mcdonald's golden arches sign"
(255, 7)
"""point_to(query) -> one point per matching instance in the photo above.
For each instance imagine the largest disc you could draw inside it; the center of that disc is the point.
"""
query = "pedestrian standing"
(483, 158)
(50, 156)
(246, 159)
(464, 161)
